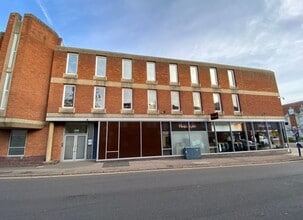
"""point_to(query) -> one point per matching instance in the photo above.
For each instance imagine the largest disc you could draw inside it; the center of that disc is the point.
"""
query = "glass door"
(75, 147)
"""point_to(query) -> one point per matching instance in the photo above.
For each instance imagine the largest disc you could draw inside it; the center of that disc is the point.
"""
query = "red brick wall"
(36, 142)
(4, 141)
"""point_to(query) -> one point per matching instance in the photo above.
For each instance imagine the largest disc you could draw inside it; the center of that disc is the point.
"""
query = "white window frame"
(173, 73)
(231, 78)
(124, 98)
(4, 97)
(236, 103)
(151, 71)
(68, 60)
(13, 52)
(64, 93)
(217, 98)
(175, 95)
(102, 105)
(213, 76)
(15, 147)
(197, 101)
(194, 75)
(126, 69)
(152, 99)
(100, 72)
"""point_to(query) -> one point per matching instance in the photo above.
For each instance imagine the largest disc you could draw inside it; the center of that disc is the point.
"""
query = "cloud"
(44, 11)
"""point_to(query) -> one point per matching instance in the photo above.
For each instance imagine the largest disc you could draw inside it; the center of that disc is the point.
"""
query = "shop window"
(69, 96)
(17, 143)
(72, 63)
(151, 71)
(166, 138)
(100, 70)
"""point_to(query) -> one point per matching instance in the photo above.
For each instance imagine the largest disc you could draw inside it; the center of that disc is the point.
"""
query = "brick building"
(293, 113)
(63, 103)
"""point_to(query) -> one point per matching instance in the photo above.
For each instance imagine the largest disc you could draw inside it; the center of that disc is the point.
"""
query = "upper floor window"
(69, 96)
(99, 101)
(100, 66)
(151, 71)
(217, 102)
(213, 76)
(5, 91)
(194, 75)
(197, 101)
(72, 63)
(173, 73)
(236, 104)
(127, 69)
(152, 99)
(127, 98)
(17, 143)
(13, 52)
(231, 78)
(175, 101)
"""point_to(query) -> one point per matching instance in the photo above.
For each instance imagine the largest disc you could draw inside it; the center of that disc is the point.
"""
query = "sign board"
(214, 116)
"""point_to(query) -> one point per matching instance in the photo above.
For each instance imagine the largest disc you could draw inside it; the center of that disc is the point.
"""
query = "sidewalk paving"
(92, 167)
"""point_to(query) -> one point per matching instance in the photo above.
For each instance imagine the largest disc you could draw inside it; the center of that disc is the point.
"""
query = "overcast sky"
(266, 34)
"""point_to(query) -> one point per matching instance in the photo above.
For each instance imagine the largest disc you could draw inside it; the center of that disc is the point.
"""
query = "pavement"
(153, 164)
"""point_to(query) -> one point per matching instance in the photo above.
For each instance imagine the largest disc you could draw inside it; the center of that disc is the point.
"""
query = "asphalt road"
(254, 192)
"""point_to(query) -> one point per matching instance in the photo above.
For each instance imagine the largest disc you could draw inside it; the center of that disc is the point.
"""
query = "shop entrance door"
(75, 147)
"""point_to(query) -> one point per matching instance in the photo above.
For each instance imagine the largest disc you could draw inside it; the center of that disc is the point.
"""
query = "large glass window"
(166, 138)
(99, 101)
(231, 78)
(175, 101)
(236, 104)
(180, 137)
(194, 74)
(213, 76)
(127, 69)
(69, 96)
(5, 91)
(72, 63)
(197, 101)
(127, 99)
(152, 99)
(151, 71)
(173, 73)
(13, 51)
(17, 143)
(100, 66)
(217, 102)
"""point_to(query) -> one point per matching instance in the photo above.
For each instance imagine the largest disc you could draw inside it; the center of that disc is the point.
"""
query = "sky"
(265, 34)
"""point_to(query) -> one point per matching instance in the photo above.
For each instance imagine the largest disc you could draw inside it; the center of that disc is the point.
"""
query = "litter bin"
(192, 152)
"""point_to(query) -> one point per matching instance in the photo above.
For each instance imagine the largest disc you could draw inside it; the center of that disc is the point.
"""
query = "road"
(253, 192)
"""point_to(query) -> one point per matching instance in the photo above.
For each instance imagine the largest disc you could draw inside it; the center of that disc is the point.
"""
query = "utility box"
(192, 153)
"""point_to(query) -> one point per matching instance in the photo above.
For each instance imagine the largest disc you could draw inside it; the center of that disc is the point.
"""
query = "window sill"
(153, 112)
(100, 78)
(66, 110)
(152, 82)
(127, 111)
(196, 85)
(198, 112)
(98, 111)
(174, 83)
(238, 113)
(173, 112)
(70, 75)
(127, 80)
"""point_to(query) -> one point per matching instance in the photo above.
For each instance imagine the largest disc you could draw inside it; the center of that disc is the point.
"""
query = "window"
(197, 101)
(173, 73)
(126, 69)
(72, 63)
(127, 99)
(175, 101)
(99, 100)
(151, 71)
(194, 75)
(231, 78)
(100, 66)
(5, 91)
(69, 96)
(217, 102)
(152, 99)
(17, 143)
(213, 76)
(13, 51)
(236, 104)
